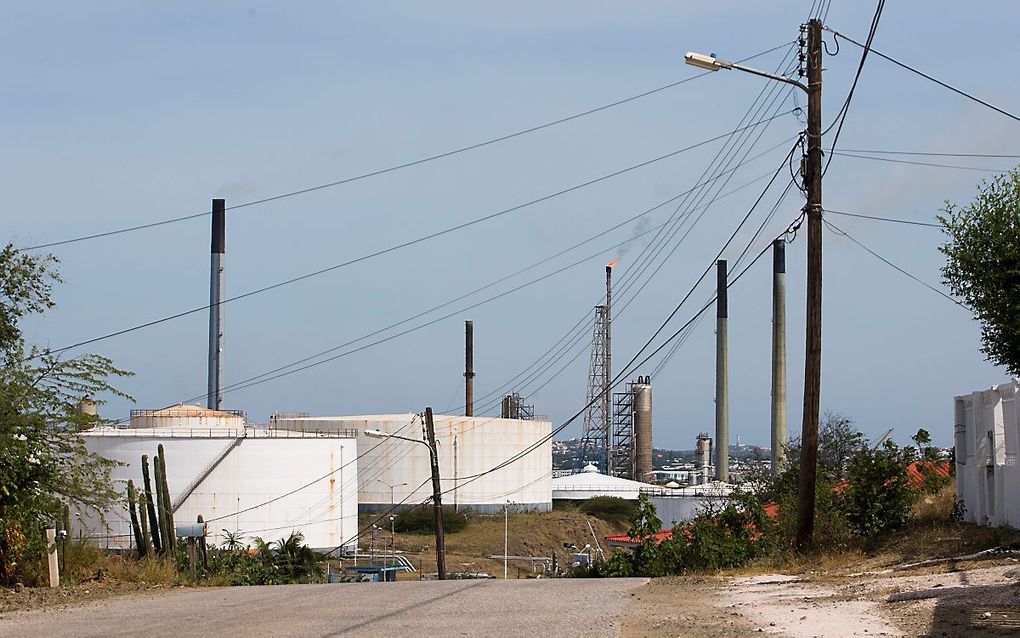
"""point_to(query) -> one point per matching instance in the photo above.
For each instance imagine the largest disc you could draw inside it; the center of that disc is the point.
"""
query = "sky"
(116, 114)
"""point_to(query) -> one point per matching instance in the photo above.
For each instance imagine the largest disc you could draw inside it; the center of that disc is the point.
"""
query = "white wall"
(987, 444)
(468, 446)
(257, 469)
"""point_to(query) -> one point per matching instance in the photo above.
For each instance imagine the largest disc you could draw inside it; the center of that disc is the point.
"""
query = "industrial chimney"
(469, 368)
(642, 429)
(214, 398)
(722, 390)
(704, 453)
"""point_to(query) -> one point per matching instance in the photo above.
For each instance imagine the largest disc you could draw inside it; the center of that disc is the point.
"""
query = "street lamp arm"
(712, 63)
(378, 434)
(771, 76)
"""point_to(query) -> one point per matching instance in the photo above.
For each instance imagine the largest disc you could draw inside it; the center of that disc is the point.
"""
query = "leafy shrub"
(421, 520)
(612, 509)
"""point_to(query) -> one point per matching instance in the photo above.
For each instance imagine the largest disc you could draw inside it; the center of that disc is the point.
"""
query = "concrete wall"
(468, 446)
(262, 466)
(987, 440)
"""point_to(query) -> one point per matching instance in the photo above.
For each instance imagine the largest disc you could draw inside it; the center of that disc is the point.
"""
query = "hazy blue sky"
(121, 113)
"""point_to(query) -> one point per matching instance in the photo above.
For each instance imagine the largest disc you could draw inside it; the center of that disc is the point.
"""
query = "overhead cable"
(396, 167)
(929, 77)
(400, 246)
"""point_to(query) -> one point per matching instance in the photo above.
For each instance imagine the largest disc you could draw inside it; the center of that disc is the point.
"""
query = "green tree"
(983, 264)
(43, 460)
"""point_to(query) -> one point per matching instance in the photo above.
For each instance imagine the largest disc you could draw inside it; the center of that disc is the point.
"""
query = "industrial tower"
(597, 425)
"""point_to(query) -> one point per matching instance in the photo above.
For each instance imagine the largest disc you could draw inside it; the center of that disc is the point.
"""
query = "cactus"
(150, 505)
(133, 511)
(202, 553)
(144, 520)
(166, 509)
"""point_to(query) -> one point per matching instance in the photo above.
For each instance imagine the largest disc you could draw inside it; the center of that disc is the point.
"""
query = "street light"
(812, 175)
(437, 492)
(391, 487)
(712, 63)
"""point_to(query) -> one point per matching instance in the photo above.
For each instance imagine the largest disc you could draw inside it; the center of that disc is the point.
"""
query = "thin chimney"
(219, 223)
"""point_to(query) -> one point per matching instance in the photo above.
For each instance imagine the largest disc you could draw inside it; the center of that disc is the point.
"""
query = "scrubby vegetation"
(611, 509)
(865, 495)
(421, 520)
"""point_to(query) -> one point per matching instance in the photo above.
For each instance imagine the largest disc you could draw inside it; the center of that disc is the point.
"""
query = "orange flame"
(612, 263)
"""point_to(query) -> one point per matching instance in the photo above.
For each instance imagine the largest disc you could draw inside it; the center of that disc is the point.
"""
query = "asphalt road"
(561, 607)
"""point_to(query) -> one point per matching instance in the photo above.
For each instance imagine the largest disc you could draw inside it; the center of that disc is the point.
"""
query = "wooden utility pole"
(469, 368)
(437, 494)
(813, 349)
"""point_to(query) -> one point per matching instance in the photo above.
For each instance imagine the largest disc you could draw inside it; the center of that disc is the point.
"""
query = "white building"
(396, 471)
(987, 442)
(589, 483)
(259, 481)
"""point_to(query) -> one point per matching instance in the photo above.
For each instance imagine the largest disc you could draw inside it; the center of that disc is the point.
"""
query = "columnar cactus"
(133, 511)
(150, 506)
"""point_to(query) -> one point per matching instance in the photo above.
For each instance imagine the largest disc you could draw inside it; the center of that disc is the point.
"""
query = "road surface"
(561, 607)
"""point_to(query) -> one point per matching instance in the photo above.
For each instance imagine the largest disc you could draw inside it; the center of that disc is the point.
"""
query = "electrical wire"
(841, 116)
(883, 219)
(930, 153)
(396, 167)
(916, 163)
(839, 231)
(395, 247)
(926, 76)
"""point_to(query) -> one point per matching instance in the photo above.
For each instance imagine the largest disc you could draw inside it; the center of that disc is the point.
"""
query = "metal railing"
(225, 433)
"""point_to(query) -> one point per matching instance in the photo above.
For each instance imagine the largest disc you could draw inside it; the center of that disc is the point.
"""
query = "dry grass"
(87, 563)
(937, 507)
(530, 534)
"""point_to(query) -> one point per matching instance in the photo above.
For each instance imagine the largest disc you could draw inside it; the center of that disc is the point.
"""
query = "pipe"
(214, 398)
(722, 407)
(778, 356)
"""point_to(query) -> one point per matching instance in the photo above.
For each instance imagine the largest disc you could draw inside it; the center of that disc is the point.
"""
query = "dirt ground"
(21, 599)
(973, 599)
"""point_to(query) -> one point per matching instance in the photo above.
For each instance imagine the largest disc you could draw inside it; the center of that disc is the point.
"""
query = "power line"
(839, 231)
(857, 76)
(883, 219)
(931, 153)
(405, 244)
(396, 167)
(928, 77)
(916, 163)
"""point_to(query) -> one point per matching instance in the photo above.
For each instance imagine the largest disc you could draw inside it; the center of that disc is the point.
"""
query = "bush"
(612, 509)
(421, 520)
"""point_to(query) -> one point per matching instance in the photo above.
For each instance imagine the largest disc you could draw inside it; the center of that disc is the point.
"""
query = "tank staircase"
(204, 474)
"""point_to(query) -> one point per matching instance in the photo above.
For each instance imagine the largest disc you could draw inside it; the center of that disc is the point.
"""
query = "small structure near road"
(987, 440)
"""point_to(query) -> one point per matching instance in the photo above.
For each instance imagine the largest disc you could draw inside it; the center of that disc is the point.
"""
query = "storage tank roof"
(185, 410)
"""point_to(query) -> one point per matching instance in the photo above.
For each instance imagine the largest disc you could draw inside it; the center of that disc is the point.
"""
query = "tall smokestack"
(469, 368)
(722, 401)
(219, 223)
(778, 355)
(607, 370)
(642, 429)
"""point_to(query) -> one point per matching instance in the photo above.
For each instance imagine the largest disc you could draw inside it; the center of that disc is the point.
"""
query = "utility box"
(987, 442)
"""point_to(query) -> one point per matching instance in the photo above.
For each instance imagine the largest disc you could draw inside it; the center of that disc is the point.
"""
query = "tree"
(43, 460)
(838, 441)
(983, 264)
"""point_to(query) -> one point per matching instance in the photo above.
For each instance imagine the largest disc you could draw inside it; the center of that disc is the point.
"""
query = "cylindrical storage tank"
(642, 429)
(396, 471)
(187, 417)
(257, 482)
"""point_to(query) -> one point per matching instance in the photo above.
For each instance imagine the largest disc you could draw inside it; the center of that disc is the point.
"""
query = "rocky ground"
(962, 600)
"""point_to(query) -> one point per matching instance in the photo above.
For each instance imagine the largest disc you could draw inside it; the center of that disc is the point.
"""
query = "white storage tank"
(393, 471)
(258, 481)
